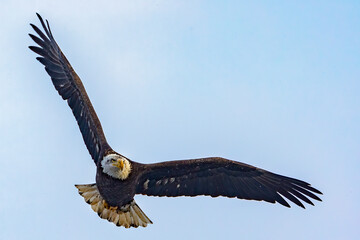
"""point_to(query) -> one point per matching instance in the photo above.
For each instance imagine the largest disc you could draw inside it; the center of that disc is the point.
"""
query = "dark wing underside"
(222, 177)
(70, 88)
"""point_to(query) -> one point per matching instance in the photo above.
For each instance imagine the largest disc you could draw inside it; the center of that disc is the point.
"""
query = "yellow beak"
(119, 163)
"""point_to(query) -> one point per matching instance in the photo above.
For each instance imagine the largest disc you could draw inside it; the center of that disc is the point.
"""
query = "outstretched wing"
(222, 177)
(70, 88)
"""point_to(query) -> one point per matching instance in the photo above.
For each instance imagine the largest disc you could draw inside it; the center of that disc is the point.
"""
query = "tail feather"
(129, 215)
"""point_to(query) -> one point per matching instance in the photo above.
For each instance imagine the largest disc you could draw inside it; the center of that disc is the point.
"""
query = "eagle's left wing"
(71, 89)
(222, 177)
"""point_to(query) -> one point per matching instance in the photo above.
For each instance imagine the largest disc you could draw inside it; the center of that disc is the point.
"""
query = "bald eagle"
(119, 179)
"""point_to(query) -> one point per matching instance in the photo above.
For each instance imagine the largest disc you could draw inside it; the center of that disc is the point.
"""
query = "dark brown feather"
(69, 86)
(221, 177)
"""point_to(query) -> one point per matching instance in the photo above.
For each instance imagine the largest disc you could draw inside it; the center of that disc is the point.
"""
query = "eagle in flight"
(119, 179)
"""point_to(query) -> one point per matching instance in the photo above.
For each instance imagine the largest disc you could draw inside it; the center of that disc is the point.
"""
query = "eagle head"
(116, 166)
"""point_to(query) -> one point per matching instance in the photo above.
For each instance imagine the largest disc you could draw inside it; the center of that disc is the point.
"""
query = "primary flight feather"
(119, 179)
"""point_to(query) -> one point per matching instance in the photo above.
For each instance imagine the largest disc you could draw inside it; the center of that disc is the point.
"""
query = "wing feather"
(70, 88)
(222, 177)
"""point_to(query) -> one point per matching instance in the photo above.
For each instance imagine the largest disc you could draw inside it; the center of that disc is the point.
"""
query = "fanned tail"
(129, 215)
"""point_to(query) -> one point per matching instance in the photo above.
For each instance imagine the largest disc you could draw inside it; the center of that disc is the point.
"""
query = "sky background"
(270, 83)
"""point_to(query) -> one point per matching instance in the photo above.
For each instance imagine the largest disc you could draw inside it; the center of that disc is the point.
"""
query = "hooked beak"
(119, 163)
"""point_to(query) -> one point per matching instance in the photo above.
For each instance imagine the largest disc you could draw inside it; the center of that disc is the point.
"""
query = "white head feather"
(116, 166)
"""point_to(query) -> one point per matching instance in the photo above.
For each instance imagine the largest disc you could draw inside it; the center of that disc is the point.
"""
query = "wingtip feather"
(39, 16)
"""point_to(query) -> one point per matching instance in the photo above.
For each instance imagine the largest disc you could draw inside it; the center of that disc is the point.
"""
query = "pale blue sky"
(270, 83)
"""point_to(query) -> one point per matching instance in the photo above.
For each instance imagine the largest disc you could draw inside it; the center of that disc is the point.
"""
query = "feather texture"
(129, 215)
(222, 177)
(70, 88)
